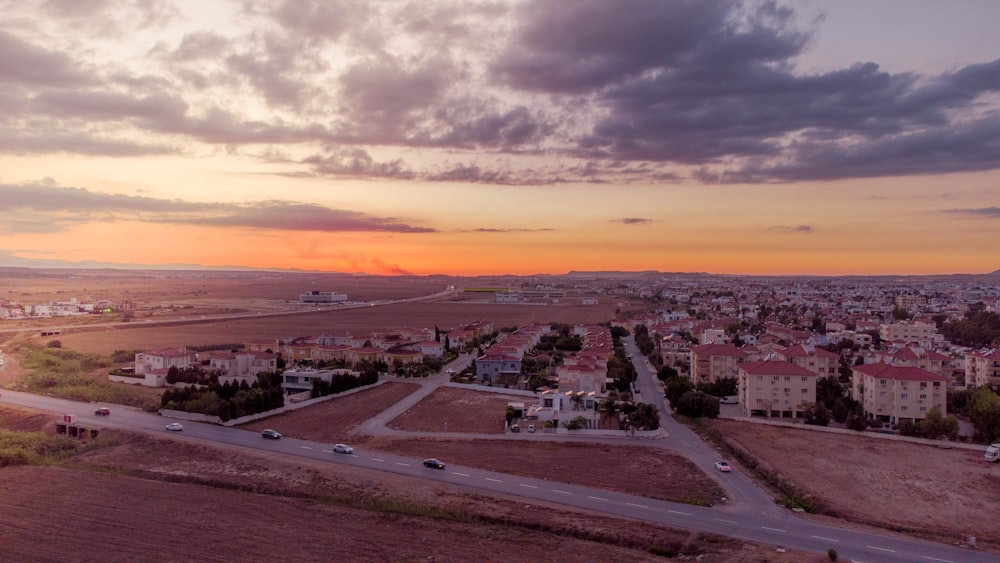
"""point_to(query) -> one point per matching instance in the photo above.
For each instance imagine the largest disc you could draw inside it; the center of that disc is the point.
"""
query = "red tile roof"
(899, 373)
(718, 350)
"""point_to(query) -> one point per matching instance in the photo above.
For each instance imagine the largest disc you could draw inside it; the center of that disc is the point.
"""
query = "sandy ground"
(923, 490)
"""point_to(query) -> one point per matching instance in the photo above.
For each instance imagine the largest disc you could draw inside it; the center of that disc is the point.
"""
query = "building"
(300, 380)
(164, 359)
(491, 367)
(895, 393)
(242, 366)
(917, 331)
(711, 362)
(322, 297)
(817, 360)
(775, 388)
(982, 368)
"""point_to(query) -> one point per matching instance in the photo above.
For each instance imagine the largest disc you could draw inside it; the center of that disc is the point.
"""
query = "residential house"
(817, 360)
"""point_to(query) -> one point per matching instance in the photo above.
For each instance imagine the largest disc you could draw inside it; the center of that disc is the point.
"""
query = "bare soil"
(332, 420)
(451, 409)
(923, 490)
(156, 498)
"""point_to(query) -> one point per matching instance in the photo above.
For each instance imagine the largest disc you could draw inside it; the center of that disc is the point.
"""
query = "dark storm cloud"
(43, 203)
(632, 221)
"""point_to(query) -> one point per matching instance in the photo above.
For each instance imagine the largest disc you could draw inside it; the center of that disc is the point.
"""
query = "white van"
(992, 453)
(730, 400)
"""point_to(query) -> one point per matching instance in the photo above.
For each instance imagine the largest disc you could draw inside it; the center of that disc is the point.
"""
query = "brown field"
(923, 490)
(331, 421)
(200, 503)
(450, 409)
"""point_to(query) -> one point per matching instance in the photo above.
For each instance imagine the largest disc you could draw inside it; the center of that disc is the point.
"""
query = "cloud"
(991, 212)
(801, 229)
(632, 221)
(531, 93)
(32, 207)
(25, 63)
(493, 230)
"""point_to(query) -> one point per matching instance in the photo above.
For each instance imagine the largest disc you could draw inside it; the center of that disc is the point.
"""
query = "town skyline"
(479, 139)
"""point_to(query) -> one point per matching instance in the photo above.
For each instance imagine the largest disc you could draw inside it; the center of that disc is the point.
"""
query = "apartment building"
(711, 362)
(775, 388)
(491, 367)
(916, 331)
(917, 356)
(982, 368)
(895, 393)
(817, 360)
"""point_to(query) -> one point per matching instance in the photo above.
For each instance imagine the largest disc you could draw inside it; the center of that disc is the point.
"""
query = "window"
(903, 396)
(903, 408)
(787, 378)
(923, 395)
(881, 382)
(788, 389)
(882, 394)
(804, 391)
(804, 379)
(923, 409)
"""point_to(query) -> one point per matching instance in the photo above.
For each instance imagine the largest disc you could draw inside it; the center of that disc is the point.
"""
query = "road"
(759, 525)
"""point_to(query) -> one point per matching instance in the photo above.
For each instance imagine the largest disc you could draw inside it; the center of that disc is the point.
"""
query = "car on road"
(343, 449)
(271, 434)
(723, 466)
(175, 427)
(434, 463)
(102, 412)
(515, 428)
(531, 428)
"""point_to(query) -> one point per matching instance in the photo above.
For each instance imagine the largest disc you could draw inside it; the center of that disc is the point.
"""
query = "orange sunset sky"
(475, 138)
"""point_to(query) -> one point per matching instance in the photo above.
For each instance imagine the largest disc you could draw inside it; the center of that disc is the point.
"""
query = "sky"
(823, 137)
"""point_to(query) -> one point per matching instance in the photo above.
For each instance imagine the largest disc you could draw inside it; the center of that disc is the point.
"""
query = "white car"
(343, 449)
(723, 466)
(175, 427)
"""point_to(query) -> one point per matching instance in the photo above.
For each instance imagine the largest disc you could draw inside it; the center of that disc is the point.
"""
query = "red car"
(102, 412)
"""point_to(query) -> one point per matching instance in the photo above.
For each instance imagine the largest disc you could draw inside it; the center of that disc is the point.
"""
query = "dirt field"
(919, 489)
(144, 498)
(450, 409)
(330, 421)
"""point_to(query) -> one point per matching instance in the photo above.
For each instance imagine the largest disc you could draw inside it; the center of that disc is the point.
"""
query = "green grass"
(35, 448)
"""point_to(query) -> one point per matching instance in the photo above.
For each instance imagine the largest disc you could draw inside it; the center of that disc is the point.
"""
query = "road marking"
(328, 451)
(936, 559)
(306, 447)
(637, 505)
(681, 513)
(377, 459)
(598, 498)
(826, 539)
(494, 480)
(881, 549)
(529, 486)
(403, 464)
(561, 492)
(726, 521)
(459, 474)
(775, 529)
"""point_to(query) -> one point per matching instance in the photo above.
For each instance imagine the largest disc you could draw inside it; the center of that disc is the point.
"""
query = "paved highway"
(766, 525)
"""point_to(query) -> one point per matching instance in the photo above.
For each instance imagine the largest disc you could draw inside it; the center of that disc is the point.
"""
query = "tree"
(933, 426)
(985, 414)
(675, 388)
(816, 414)
(839, 410)
(666, 372)
(511, 413)
(856, 419)
(696, 403)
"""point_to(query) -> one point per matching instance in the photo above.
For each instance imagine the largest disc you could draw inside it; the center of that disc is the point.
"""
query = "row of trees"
(228, 401)
(341, 382)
